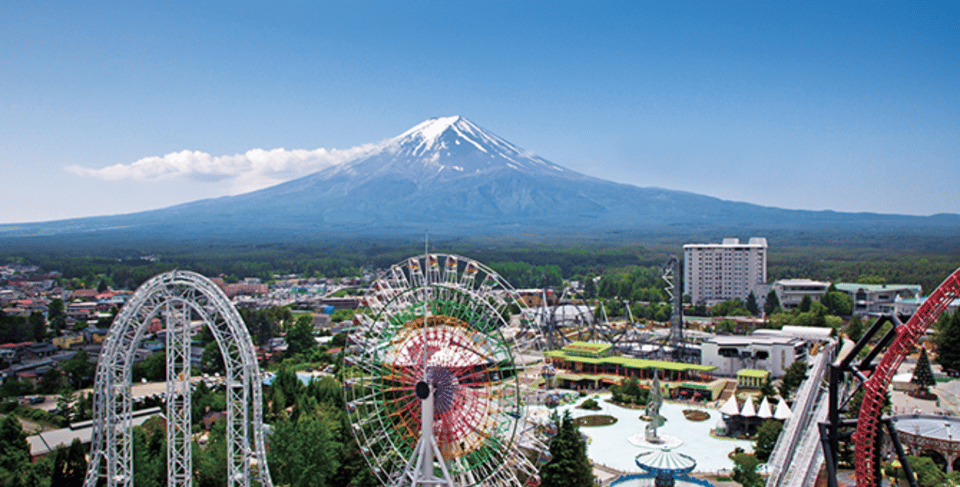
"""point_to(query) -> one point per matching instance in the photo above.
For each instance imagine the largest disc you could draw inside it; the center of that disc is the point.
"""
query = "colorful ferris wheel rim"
(465, 348)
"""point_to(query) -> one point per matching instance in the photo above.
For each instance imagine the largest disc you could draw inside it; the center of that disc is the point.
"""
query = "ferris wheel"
(435, 382)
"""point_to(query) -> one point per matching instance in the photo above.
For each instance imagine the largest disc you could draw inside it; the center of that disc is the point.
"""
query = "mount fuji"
(447, 176)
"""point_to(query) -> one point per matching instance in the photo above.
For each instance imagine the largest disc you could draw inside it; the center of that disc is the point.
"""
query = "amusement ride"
(434, 389)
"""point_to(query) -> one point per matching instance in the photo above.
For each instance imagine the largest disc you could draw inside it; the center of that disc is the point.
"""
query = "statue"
(654, 401)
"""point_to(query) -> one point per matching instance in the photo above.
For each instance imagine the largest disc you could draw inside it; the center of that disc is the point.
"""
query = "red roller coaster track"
(908, 335)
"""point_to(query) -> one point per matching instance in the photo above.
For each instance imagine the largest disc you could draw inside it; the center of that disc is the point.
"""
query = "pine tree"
(767, 435)
(745, 470)
(771, 304)
(16, 469)
(751, 305)
(855, 328)
(947, 341)
(569, 465)
(69, 466)
(793, 377)
(923, 374)
(589, 288)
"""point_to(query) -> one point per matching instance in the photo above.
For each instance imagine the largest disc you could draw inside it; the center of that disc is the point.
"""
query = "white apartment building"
(717, 272)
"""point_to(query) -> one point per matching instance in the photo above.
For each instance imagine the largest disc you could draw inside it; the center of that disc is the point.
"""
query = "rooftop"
(44, 443)
(945, 428)
(854, 287)
(802, 282)
(632, 363)
(732, 340)
(760, 374)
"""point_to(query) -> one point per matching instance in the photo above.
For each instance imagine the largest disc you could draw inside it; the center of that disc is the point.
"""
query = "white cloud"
(254, 169)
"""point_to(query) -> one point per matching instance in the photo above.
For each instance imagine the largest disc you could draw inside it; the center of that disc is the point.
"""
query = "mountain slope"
(447, 176)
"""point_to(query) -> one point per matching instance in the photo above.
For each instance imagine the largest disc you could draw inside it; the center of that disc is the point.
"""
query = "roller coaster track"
(865, 444)
(797, 453)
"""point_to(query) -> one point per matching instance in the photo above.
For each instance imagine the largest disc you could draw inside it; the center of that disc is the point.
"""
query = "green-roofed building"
(752, 378)
(592, 365)
(877, 298)
(588, 349)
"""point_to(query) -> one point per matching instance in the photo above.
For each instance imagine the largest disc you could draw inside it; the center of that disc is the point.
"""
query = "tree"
(150, 454)
(16, 470)
(210, 463)
(766, 389)
(805, 303)
(771, 304)
(38, 326)
(102, 287)
(767, 435)
(927, 472)
(65, 401)
(263, 324)
(153, 368)
(838, 303)
(569, 465)
(855, 328)
(288, 385)
(947, 341)
(751, 305)
(51, 381)
(56, 315)
(630, 392)
(15, 387)
(211, 361)
(923, 374)
(300, 338)
(303, 452)
(55, 308)
(69, 466)
(793, 377)
(745, 470)
(589, 288)
(853, 405)
(730, 307)
(79, 370)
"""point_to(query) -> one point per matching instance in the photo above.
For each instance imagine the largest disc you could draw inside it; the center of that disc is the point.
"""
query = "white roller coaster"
(181, 299)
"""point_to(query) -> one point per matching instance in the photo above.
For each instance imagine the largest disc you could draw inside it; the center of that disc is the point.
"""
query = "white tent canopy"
(783, 412)
(748, 411)
(764, 410)
(730, 408)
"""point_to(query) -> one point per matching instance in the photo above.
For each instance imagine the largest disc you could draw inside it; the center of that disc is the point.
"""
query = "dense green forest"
(523, 265)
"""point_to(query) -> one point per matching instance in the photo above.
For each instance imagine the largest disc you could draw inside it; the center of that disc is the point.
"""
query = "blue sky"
(849, 106)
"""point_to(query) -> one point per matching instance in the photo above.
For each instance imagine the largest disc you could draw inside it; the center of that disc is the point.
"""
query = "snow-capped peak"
(447, 147)
(442, 133)
(428, 130)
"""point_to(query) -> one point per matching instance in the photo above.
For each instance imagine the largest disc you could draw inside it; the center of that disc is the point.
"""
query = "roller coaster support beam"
(866, 453)
(830, 434)
(901, 455)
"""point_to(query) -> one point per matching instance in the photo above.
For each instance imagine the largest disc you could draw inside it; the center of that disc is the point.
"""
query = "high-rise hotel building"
(717, 272)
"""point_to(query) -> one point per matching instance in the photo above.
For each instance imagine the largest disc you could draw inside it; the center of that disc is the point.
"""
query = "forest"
(523, 265)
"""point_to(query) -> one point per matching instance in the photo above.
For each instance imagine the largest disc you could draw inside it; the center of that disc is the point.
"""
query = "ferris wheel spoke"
(443, 320)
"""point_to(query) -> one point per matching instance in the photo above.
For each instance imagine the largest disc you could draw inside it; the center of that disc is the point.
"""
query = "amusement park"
(447, 375)
(433, 243)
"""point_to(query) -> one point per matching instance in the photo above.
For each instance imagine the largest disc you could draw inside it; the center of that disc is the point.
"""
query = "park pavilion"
(593, 365)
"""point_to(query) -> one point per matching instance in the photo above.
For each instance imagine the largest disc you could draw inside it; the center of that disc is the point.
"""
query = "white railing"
(800, 430)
